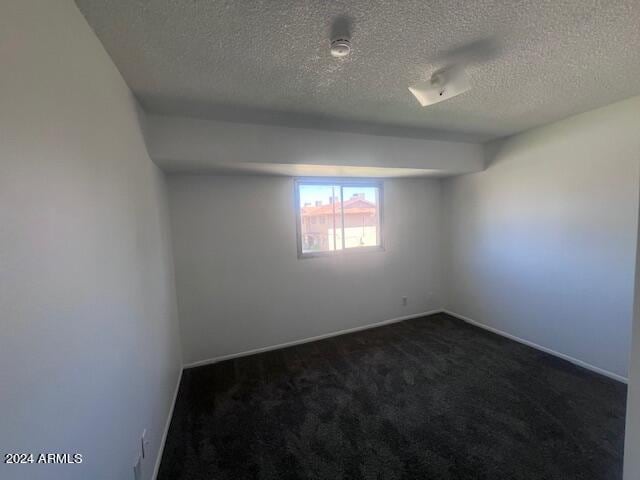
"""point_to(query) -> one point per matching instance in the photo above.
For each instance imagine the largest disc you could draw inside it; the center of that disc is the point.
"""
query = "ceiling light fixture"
(443, 85)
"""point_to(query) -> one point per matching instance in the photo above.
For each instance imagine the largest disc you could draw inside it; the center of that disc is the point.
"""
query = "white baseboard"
(568, 358)
(209, 361)
(156, 468)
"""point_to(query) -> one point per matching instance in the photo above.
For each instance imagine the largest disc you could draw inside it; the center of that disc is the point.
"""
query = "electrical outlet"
(137, 468)
(405, 301)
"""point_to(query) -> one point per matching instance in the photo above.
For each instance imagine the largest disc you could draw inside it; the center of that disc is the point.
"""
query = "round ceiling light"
(340, 47)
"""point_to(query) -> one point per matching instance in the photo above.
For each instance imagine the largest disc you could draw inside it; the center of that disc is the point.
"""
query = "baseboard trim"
(221, 358)
(568, 358)
(163, 440)
(468, 320)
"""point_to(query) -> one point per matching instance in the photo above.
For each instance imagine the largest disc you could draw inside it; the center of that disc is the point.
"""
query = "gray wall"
(89, 350)
(242, 287)
(542, 244)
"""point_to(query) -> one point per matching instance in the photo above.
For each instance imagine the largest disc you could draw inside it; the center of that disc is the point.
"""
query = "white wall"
(89, 350)
(240, 283)
(542, 244)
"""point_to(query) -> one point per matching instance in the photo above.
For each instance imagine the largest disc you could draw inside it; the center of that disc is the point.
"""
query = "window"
(334, 216)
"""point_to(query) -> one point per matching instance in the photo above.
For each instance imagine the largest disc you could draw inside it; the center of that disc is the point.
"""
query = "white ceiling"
(530, 61)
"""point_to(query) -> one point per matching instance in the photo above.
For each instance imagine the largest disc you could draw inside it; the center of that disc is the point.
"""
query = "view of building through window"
(334, 216)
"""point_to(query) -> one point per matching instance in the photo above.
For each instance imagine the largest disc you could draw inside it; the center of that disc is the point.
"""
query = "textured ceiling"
(530, 61)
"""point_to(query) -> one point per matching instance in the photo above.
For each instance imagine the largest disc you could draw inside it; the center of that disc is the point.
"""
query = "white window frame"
(341, 182)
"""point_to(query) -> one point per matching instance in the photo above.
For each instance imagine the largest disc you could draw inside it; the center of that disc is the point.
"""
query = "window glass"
(334, 216)
(361, 217)
(319, 201)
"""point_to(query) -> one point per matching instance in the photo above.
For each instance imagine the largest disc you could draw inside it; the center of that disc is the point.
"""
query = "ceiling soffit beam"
(186, 145)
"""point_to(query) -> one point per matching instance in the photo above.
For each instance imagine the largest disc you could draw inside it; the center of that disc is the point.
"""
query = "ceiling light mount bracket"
(443, 85)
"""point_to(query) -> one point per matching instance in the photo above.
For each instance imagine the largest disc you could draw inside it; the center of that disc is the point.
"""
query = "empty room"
(300, 239)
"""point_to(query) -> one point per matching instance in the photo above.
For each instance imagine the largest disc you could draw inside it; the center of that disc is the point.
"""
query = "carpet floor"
(430, 398)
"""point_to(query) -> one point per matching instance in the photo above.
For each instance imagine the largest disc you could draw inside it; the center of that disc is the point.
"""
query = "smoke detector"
(443, 85)
(340, 47)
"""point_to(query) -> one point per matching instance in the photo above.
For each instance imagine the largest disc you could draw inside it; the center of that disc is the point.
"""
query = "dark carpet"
(431, 398)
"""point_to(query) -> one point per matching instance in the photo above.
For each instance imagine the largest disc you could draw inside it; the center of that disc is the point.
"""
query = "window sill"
(335, 253)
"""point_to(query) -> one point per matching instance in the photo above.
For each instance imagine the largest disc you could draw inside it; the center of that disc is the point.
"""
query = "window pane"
(320, 218)
(361, 216)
